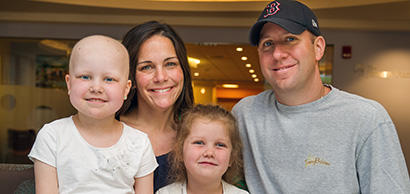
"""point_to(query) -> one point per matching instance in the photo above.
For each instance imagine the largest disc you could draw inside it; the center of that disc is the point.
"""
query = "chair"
(17, 178)
(19, 144)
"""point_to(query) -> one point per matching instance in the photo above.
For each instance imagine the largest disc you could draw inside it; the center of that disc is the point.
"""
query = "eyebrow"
(263, 36)
(166, 59)
(169, 58)
(142, 62)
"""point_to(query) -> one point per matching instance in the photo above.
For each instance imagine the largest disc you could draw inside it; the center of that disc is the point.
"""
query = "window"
(32, 92)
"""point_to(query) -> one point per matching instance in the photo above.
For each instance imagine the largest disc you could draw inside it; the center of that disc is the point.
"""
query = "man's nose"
(280, 51)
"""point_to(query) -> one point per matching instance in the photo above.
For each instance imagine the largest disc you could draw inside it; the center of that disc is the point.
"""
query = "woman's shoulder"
(231, 189)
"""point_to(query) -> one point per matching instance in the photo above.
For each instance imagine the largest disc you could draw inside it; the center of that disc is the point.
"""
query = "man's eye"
(267, 43)
(290, 39)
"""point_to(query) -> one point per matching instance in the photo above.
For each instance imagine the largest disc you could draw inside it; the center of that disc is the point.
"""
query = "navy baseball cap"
(291, 15)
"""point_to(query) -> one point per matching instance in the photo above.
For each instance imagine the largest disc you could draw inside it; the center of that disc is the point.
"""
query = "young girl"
(91, 152)
(207, 153)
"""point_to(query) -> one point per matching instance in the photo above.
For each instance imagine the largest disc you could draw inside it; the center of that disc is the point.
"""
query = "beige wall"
(373, 53)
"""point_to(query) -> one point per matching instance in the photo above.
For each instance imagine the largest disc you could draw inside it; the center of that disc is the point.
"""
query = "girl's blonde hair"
(178, 171)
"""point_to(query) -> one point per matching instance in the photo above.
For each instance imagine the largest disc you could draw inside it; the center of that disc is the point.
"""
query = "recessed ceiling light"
(196, 74)
(251, 71)
(256, 79)
(239, 49)
(230, 85)
(244, 58)
(254, 76)
(248, 65)
(202, 90)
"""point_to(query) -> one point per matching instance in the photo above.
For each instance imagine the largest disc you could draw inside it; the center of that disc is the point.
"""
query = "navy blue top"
(161, 172)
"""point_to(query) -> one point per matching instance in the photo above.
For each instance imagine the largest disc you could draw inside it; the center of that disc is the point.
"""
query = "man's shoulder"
(252, 101)
(358, 101)
(359, 104)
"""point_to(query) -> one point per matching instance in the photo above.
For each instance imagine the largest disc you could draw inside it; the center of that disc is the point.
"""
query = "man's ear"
(320, 45)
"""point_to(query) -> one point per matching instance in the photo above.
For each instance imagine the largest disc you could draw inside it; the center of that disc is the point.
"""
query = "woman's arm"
(144, 185)
(45, 178)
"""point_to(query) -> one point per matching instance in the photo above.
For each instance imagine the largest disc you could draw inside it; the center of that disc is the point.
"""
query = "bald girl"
(98, 64)
(99, 48)
(91, 151)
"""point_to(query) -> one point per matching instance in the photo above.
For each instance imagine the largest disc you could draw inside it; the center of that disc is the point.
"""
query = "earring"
(125, 97)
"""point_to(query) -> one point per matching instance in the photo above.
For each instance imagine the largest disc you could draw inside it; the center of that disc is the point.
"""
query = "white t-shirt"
(180, 188)
(83, 168)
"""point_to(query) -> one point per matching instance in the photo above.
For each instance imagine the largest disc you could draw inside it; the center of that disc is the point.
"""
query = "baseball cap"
(291, 15)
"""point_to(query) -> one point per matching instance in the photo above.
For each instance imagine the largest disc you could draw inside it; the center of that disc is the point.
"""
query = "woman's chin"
(164, 106)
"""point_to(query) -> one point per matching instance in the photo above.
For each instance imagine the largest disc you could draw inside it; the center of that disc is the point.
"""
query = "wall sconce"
(385, 74)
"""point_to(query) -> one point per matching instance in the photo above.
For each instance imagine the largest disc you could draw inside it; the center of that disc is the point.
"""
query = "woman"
(161, 91)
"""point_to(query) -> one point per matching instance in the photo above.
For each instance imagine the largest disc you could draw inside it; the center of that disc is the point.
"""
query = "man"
(306, 137)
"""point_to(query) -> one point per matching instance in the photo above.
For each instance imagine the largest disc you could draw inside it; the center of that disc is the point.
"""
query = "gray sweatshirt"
(341, 143)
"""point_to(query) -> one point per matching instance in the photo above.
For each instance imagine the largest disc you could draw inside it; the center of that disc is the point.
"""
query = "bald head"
(99, 48)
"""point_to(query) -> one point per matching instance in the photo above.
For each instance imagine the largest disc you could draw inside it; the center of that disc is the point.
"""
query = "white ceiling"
(353, 14)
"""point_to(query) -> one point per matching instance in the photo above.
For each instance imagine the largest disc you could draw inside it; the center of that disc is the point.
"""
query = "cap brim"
(288, 25)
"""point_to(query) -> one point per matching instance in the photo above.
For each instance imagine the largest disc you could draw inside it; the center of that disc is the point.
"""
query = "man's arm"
(381, 166)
